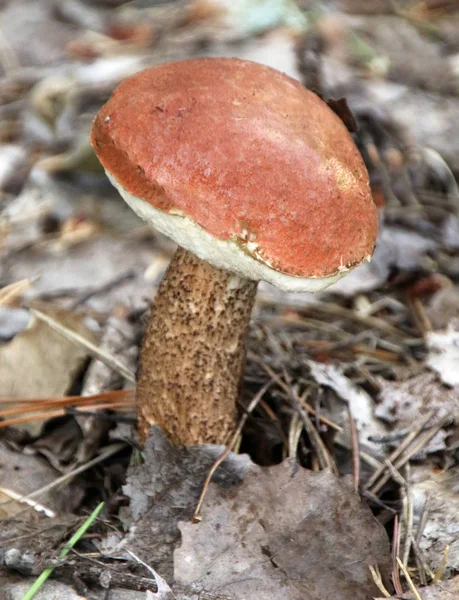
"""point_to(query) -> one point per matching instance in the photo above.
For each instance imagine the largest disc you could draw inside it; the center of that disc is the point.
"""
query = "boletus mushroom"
(255, 178)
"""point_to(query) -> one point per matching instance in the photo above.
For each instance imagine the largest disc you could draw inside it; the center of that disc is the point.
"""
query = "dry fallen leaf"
(39, 362)
(359, 401)
(443, 306)
(23, 474)
(284, 532)
(438, 494)
(165, 490)
(443, 354)
(402, 402)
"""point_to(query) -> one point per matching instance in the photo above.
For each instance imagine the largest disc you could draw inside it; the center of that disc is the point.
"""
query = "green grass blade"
(63, 553)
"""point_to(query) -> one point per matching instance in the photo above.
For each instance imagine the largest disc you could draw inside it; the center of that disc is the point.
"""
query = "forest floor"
(345, 483)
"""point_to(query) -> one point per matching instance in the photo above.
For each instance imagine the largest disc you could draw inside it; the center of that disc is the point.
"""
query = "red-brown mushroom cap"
(247, 154)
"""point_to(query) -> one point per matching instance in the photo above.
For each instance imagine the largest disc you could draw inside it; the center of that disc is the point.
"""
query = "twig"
(284, 386)
(106, 453)
(395, 551)
(336, 310)
(259, 395)
(441, 569)
(421, 563)
(408, 516)
(325, 459)
(409, 581)
(421, 318)
(396, 476)
(108, 359)
(32, 405)
(378, 581)
(417, 447)
(374, 322)
(355, 450)
(398, 451)
(416, 543)
(294, 434)
(35, 505)
(13, 290)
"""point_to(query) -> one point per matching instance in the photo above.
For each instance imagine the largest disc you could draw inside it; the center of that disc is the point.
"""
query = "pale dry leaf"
(359, 401)
(91, 265)
(12, 321)
(403, 402)
(443, 354)
(443, 306)
(441, 493)
(123, 594)
(284, 532)
(14, 165)
(118, 339)
(38, 362)
(23, 474)
(450, 232)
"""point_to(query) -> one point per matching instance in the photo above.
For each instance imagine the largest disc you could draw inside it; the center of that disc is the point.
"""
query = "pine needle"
(108, 359)
(441, 569)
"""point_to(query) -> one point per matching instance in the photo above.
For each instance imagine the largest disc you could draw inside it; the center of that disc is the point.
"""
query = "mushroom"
(255, 178)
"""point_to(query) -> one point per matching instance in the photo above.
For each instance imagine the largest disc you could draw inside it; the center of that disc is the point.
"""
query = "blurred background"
(66, 232)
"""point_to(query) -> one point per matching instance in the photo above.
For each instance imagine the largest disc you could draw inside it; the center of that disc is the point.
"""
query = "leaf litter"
(265, 538)
(362, 378)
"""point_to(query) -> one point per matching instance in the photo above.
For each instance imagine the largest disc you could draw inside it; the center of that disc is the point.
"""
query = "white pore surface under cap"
(223, 254)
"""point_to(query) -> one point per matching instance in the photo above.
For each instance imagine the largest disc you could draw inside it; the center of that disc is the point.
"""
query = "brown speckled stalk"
(193, 352)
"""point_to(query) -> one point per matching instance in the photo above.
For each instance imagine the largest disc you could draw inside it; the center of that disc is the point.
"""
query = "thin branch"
(355, 450)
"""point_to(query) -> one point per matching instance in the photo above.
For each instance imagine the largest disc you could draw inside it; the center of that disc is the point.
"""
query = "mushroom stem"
(193, 352)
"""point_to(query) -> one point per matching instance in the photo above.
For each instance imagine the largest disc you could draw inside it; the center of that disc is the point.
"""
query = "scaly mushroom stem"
(193, 352)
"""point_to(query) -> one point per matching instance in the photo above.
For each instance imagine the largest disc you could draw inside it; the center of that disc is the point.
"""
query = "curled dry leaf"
(284, 532)
(359, 401)
(341, 108)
